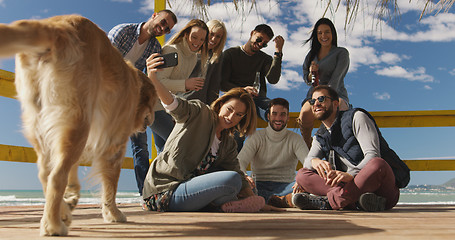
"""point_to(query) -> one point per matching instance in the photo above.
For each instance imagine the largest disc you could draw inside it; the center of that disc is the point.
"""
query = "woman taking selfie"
(198, 167)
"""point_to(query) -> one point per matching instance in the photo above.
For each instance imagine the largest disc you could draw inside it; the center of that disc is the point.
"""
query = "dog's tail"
(30, 36)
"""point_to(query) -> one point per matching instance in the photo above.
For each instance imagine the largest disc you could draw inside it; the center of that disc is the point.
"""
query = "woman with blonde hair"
(198, 166)
(187, 43)
(216, 41)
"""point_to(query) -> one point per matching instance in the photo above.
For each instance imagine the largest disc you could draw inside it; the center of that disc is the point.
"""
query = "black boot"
(305, 201)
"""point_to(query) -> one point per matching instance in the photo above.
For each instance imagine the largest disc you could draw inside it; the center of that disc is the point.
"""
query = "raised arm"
(163, 93)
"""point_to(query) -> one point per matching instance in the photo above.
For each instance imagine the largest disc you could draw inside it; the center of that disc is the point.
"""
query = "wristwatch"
(278, 54)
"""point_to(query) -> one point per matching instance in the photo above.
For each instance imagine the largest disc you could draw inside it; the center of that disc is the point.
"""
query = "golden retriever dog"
(80, 100)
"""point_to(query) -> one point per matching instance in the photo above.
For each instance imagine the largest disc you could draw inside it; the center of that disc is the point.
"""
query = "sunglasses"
(320, 99)
(163, 23)
(259, 40)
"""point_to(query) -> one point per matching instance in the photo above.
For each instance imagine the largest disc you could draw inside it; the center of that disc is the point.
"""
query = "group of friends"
(200, 136)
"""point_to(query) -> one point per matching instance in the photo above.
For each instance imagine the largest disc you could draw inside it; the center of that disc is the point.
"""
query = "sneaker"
(281, 201)
(306, 201)
(371, 202)
(247, 205)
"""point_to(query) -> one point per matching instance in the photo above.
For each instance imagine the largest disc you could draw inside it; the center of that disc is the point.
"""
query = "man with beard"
(136, 42)
(240, 65)
(359, 169)
(273, 153)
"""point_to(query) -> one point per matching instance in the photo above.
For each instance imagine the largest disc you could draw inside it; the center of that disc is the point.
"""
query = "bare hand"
(279, 42)
(322, 167)
(251, 181)
(314, 67)
(152, 62)
(252, 91)
(269, 208)
(336, 177)
(195, 83)
(296, 188)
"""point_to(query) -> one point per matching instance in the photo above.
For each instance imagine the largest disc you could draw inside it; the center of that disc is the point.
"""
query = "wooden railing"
(387, 119)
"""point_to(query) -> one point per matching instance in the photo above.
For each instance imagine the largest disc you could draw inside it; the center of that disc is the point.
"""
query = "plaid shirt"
(123, 37)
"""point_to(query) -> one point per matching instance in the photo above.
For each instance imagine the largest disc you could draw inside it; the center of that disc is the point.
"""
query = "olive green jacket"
(189, 143)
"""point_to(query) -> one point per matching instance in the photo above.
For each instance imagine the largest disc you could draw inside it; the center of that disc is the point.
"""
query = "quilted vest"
(343, 142)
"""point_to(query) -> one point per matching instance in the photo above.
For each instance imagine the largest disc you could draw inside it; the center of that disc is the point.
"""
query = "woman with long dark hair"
(325, 64)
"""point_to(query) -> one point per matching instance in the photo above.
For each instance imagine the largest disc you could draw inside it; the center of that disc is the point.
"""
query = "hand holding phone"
(170, 60)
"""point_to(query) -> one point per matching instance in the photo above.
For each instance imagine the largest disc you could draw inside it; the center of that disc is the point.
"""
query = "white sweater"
(173, 78)
(273, 155)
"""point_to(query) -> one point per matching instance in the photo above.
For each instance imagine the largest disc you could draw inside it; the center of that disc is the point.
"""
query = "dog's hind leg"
(66, 147)
(110, 173)
(72, 191)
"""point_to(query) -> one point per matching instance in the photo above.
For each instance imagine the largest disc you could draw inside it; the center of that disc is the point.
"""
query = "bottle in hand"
(257, 81)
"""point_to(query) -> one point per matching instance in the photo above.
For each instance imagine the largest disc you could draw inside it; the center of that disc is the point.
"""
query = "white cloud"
(452, 72)
(411, 74)
(427, 87)
(2, 3)
(390, 58)
(382, 96)
(289, 80)
(294, 21)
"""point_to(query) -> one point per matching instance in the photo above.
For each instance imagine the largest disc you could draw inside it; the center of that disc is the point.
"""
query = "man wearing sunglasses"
(240, 65)
(350, 165)
(136, 42)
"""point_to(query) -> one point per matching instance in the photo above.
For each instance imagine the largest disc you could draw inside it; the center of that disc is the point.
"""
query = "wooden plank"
(394, 119)
(417, 222)
(7, 87)
(160, 5)
(27, 154)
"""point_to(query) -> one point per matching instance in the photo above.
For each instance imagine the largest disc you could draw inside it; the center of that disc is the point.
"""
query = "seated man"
(359, 170)
(273, 153)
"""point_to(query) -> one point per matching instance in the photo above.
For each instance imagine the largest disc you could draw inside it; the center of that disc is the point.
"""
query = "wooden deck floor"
(402, 222)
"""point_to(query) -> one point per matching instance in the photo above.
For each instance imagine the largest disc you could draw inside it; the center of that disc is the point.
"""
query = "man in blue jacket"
(350, 165)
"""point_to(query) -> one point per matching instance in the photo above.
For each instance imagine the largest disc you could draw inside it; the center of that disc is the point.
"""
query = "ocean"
(412, 195)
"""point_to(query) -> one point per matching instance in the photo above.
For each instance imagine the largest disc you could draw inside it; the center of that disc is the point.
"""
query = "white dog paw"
(48, 229)
(113, 214)
(71, 199)
(65, 214)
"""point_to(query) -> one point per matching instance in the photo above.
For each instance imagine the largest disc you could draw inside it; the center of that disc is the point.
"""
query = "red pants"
(376, 177)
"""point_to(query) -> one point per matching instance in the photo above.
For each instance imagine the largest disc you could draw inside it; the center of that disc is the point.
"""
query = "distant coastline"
(412, 195)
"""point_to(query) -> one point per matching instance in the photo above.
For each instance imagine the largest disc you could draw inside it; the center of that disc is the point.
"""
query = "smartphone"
(170, 60)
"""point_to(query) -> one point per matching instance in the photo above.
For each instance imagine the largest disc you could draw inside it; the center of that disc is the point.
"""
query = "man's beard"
(326, 114)
(277, 130)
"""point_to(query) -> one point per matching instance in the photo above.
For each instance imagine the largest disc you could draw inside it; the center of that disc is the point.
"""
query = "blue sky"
(405, 66)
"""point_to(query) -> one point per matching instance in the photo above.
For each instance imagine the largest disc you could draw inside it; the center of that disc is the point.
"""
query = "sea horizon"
(412, 195)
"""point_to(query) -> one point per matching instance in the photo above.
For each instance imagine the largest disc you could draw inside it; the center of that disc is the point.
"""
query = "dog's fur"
(80, 101)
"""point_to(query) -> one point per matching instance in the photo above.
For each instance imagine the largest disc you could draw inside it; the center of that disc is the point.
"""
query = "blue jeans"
(161, 129)
(214, 188)
(140, 158)
(268, 188)
(262, 107)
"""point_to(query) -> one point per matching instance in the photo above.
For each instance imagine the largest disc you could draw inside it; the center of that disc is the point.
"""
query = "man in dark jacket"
(359, 169)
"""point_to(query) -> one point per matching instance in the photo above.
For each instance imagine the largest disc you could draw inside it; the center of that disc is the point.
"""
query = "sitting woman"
(198, 166)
